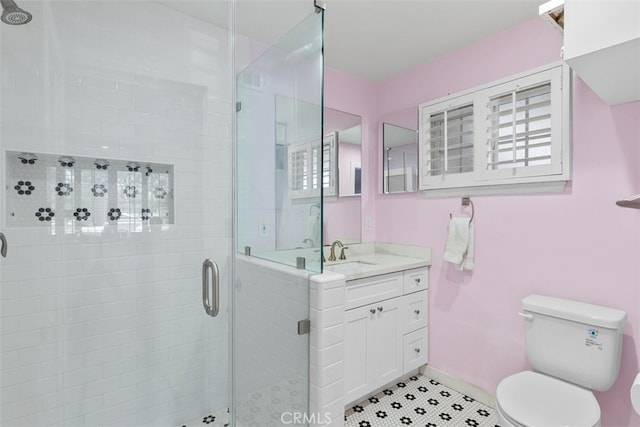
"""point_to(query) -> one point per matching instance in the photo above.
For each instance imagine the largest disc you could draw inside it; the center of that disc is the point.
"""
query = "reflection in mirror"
(400, 159)
(342, 213)
(300, 175)
(400, 151)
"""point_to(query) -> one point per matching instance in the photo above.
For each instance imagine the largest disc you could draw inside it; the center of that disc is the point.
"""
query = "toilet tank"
(578, 342)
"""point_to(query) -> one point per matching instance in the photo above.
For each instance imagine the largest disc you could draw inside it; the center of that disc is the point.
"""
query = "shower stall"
(141, 283)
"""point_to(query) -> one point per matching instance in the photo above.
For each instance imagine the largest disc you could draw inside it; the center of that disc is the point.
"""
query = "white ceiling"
(374, 39)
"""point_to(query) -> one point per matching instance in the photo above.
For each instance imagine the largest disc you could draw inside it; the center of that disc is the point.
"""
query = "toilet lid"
(533, 399)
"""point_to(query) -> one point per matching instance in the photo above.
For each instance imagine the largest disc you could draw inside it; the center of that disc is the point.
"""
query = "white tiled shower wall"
(99, 327)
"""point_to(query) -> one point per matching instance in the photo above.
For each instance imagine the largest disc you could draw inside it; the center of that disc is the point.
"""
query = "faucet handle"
(342, 255)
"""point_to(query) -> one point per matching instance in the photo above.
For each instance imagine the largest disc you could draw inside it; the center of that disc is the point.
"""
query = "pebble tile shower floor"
(420, 401)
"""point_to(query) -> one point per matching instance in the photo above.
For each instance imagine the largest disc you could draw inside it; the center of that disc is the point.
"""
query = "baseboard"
(459, 385)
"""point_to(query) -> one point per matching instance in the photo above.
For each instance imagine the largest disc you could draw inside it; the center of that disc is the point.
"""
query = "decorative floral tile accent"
(24, 187)
(130, 191)
(66, 161)
(82, 214)
(27, 158)
(73, 192)
(160, 193)
(63, 189)
(114, 214)
(133, 166)
(101, 164)
(45, 214)
(99, 190)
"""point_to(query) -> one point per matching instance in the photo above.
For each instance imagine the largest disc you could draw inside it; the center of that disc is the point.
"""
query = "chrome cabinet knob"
(417, 311)
(417, 350)
(380, 308)
(373, 311)
(417, 280)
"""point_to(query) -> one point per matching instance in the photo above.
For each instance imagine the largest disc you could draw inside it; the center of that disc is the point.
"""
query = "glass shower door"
(115, 186)
(278, 226)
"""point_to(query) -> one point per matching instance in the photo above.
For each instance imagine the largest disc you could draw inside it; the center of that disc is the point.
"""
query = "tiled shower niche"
(85, 193)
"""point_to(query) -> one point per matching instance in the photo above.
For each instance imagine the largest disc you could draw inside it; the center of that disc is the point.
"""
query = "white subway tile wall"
(271, 359)
(105, 327)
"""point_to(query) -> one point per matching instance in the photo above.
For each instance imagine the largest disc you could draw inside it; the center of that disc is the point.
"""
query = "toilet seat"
(532, 399)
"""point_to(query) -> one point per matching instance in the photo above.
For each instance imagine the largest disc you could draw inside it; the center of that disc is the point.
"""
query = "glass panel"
(116, 108)
(279, 150)
(279, 193)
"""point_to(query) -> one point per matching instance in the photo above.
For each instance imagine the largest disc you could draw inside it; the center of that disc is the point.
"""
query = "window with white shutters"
(523, 128)
(299, 170)
(311, 166)
(330, 164)
(447, 142)
(511, 132)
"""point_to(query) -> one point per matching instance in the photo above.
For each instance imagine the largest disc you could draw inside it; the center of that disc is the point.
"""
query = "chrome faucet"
(332, 255)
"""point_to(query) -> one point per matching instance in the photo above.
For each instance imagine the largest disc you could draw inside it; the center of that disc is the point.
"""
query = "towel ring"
(466, 201)
(315, 205)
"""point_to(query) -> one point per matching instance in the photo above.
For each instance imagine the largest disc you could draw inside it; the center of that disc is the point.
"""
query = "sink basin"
(348, 266)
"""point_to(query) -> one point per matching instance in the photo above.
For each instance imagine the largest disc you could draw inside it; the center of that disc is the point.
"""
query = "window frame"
(314, 153)
(506, 180)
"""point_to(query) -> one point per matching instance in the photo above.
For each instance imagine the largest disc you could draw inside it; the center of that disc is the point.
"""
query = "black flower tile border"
(62, 190)
(214, 419)
(420, 401)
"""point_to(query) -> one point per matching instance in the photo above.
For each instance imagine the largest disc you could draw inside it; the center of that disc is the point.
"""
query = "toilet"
(573, 348)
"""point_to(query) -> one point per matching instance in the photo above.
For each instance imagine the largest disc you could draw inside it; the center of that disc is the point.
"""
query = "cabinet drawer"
(416, 349)
(372, 289)
(415, 280)
(415, 308)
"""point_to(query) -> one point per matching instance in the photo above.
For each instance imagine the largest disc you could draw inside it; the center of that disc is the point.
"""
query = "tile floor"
(214, 419)
(420, 401)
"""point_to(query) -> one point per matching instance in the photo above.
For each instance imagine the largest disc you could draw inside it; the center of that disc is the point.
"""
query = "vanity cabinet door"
(359, 352)
(388, 341)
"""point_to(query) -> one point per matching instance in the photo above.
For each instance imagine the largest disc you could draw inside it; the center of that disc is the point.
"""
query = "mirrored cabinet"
(400, 151)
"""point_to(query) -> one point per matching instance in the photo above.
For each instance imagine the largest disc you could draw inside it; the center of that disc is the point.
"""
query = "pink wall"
(577, 245)
(346, 93)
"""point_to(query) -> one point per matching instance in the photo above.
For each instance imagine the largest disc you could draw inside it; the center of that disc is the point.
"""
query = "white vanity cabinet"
(385, 329)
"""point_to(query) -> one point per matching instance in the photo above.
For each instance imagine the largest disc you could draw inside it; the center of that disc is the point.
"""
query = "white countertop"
(377, 258)
(380, 259)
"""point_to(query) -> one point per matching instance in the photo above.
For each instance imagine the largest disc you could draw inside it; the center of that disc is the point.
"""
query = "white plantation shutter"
(516, 131)
(298, 170)
(523, 129)
(447, 143)
(330, 164)
(312, 165)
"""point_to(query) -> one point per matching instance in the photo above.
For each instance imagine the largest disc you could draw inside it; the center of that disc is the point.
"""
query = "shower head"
(12, 14)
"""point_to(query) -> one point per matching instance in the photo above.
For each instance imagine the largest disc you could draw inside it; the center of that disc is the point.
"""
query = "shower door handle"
(210, 270)
(3, 245)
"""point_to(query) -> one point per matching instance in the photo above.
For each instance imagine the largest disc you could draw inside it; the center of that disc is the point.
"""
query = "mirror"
(400, 151)
(299, 176)
(342, 214)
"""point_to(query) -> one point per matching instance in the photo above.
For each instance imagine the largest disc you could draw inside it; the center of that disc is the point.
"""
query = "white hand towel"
(458, 240)
(313, 230)
(467, 261)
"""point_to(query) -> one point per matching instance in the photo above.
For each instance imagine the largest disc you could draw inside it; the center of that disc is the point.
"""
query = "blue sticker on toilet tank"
(592, 339)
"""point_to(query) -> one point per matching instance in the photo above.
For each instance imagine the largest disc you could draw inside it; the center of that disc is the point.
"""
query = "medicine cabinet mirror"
(400, 151)
(304, 164)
